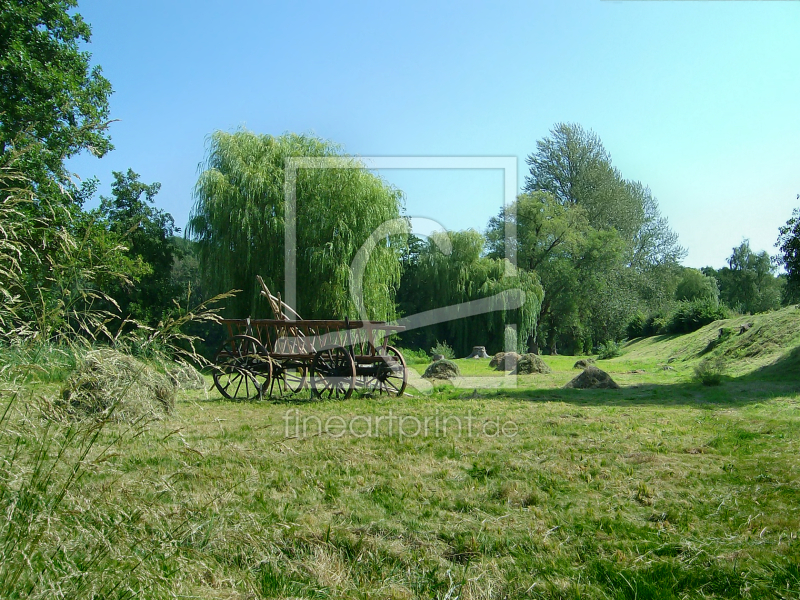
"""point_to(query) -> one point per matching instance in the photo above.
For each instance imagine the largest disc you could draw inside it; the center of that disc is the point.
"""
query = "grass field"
(663, 489)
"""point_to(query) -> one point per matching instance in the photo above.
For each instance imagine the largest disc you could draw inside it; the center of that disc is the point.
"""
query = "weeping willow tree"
(433, 279)
(238, 221)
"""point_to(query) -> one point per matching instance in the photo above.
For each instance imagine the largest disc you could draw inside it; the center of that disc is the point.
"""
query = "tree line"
(596, 258)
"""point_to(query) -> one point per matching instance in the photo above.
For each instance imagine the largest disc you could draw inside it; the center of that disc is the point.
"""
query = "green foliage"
(609, 349)
(582, 270)
(572, 165)
(599, 243)
(710, 371)
(433, 279)
(53, 103)
(691, 316)
(148, 233)
(442, 348)
(748, 284)
(789, 245)
(680, 317)
(238, 223)
(694, 285)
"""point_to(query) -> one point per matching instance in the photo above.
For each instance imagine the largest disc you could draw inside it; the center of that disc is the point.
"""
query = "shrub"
(444, 349)
(691, 316)
(710, 371)
(682, 317)
(637, 325)
(609, 349)
(415, 356)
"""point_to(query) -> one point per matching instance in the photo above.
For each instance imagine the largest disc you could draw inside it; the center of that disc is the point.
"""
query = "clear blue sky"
(698, 100)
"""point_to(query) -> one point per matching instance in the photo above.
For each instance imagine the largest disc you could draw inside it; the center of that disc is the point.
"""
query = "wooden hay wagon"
(287, 354)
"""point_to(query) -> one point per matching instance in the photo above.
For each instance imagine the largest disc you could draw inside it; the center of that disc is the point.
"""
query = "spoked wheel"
(243, 369)
(391, 376)
(333, 373)
(289, 379)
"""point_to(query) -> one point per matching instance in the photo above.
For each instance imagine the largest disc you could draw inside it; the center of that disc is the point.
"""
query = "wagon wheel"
(244, 369)
(289, 379)
(391, 376)
(333, 373)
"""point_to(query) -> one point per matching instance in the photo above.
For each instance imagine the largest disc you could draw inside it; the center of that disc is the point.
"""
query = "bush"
(414, 357)
(610, 349)
(710, 371)
(637, 325)
(682, 317)
(691, 316)
(444, 349)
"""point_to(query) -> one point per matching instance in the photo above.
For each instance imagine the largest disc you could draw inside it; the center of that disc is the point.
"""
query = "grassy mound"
(442, 369)
(770, 338)
(583, 363)
(531, 363)
(109, 383)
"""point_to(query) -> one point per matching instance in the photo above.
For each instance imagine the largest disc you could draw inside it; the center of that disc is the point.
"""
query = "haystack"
(583, 363)
(185, 377)
(504, 361)
(531, 363)
(109, 383)
(593, 378)
(442, 369)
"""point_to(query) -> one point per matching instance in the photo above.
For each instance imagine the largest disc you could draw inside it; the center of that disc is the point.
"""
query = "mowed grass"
(664, 489)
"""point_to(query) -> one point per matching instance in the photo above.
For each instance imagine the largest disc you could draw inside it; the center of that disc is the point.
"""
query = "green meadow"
(664, 488)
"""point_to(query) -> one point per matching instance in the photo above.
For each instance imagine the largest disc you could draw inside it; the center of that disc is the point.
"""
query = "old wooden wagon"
(288, 354)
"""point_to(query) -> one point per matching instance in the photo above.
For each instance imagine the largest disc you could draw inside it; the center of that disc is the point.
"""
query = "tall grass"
(62, 536)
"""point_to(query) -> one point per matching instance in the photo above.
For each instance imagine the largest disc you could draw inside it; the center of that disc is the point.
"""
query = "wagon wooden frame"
(268, 357)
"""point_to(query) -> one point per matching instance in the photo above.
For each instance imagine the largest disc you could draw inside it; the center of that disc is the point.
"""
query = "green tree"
(433, 279)
(748, 284)
(580, 269)
(694, 285)
(789, 245)
(238, 223)
(53, 103)
(148, 233)
(576, 169)
(574, 166)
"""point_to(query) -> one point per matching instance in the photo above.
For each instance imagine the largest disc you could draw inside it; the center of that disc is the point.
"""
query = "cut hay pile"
(185, 377)
(583, 363)
(442, 369)
(108, 383)
(531, 363)
(593, 378)
(504, 361)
